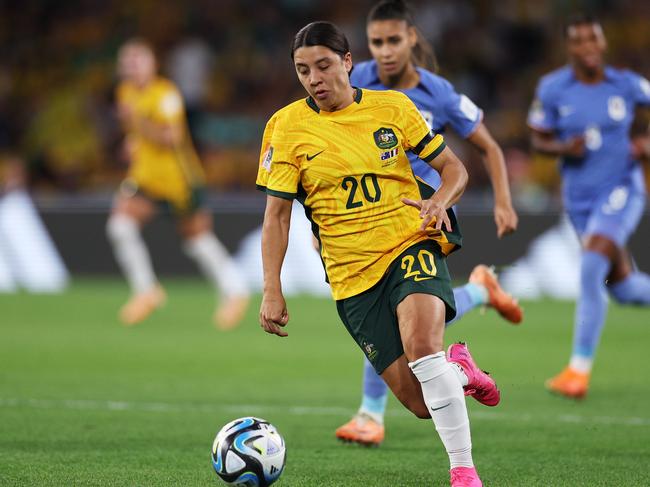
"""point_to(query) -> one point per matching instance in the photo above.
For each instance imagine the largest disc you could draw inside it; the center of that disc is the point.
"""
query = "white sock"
(130, 252)
(581, 364)
(460, 372)
(444, 397)
(215, 263)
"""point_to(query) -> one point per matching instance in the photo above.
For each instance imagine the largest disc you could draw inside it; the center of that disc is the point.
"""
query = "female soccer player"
(165, 169)
(398, 52)
(384, 236)
(583, 113)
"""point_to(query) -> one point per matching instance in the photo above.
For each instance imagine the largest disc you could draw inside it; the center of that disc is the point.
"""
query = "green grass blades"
(86, 401)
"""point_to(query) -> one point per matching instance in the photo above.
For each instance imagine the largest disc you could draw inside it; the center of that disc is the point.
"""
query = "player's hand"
(505, 218)
(641, 147)
(273, 314)
(574, 147)
(430, 210)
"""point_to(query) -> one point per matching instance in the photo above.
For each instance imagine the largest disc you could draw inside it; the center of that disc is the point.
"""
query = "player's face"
(586, 45)
(136, 63)
(324, 75)
(390, 43)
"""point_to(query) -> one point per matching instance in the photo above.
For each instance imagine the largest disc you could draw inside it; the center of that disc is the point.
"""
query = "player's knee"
(120, 227)
(594, 267)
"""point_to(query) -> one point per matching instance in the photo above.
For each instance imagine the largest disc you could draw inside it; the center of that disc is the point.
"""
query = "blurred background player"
(164, 169)
(583, 113)
(400, 55)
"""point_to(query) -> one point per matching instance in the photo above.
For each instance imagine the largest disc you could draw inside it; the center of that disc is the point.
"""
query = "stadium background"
(230, 59)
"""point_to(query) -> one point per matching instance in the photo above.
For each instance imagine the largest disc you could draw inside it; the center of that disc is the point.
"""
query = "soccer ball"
(248, 452)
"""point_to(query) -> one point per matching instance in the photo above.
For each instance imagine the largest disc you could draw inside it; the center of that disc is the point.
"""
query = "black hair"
(321, 33)
(580, 18)
(423, 54)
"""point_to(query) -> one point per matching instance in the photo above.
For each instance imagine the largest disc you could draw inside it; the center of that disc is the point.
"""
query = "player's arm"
(543, 121)
(548, 143)
(453, 177)
(504, 214)
(431, 149)
(275, 237)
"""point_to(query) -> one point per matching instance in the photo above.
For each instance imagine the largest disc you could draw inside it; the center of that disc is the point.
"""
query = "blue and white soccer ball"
(248, 452)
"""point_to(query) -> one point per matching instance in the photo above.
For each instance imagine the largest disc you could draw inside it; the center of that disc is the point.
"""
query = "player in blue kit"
(583, 113)
(398, 52)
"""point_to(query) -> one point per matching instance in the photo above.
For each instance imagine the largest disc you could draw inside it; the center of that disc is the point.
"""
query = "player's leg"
(421, 320)
(202, 245)
(367, 425)
(130, 212)
(605, 230)
(627, 284)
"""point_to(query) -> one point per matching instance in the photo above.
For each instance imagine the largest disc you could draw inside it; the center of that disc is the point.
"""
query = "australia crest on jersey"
(385, 138)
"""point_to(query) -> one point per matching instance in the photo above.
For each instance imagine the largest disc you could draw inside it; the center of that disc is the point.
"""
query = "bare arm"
(505, 216)
(453, 177)
(548, 143)
(275, 237)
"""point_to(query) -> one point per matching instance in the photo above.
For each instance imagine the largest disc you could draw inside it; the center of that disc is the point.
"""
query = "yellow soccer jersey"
(163, 172)
(350, 170)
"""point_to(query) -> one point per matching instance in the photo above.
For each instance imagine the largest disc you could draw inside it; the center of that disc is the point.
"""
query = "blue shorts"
(614, 214)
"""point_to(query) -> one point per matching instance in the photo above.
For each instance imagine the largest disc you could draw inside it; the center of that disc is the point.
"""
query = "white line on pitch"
(166, 407)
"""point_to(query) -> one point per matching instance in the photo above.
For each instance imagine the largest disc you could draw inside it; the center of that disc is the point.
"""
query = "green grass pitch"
(85, 401)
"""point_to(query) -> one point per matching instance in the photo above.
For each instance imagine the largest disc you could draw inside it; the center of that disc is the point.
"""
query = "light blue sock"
(467, 298)
(375, 392)
(634, 289)
(591, 308)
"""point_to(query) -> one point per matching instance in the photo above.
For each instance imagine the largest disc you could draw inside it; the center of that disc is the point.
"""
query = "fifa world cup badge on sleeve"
(268, 157)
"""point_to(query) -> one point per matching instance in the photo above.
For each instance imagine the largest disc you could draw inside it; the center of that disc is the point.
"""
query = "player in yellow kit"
(164, 170)
(383, 235)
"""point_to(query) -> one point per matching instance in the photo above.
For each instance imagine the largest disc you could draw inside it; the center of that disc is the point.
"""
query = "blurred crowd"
(230, 58)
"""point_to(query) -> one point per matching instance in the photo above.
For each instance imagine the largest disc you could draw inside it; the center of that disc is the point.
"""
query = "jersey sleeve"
(278, 172)
(418, 137)
(542, 114)
(463, 115)
(640, 87)
(169, 106)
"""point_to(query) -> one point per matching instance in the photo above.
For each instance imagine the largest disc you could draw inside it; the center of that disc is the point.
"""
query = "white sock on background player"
(216, 264)
(444, 397)
(131, 252)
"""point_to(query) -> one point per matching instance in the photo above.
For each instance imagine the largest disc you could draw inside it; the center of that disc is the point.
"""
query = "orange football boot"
(361, 429)
(230, 312)
(569, 383)
(504, 303)
(141, 305)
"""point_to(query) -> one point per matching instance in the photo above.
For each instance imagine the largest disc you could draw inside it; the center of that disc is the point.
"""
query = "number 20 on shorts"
(427, 266)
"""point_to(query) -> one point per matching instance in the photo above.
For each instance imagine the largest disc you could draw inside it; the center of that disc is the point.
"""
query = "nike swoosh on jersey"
(309, 158)
(418, 278)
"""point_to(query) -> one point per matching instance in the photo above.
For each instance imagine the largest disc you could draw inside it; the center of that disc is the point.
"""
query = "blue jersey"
(603, 114)
(438, 103)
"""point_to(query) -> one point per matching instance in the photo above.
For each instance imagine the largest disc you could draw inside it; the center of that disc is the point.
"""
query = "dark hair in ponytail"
(423, 54)
(321, 34)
